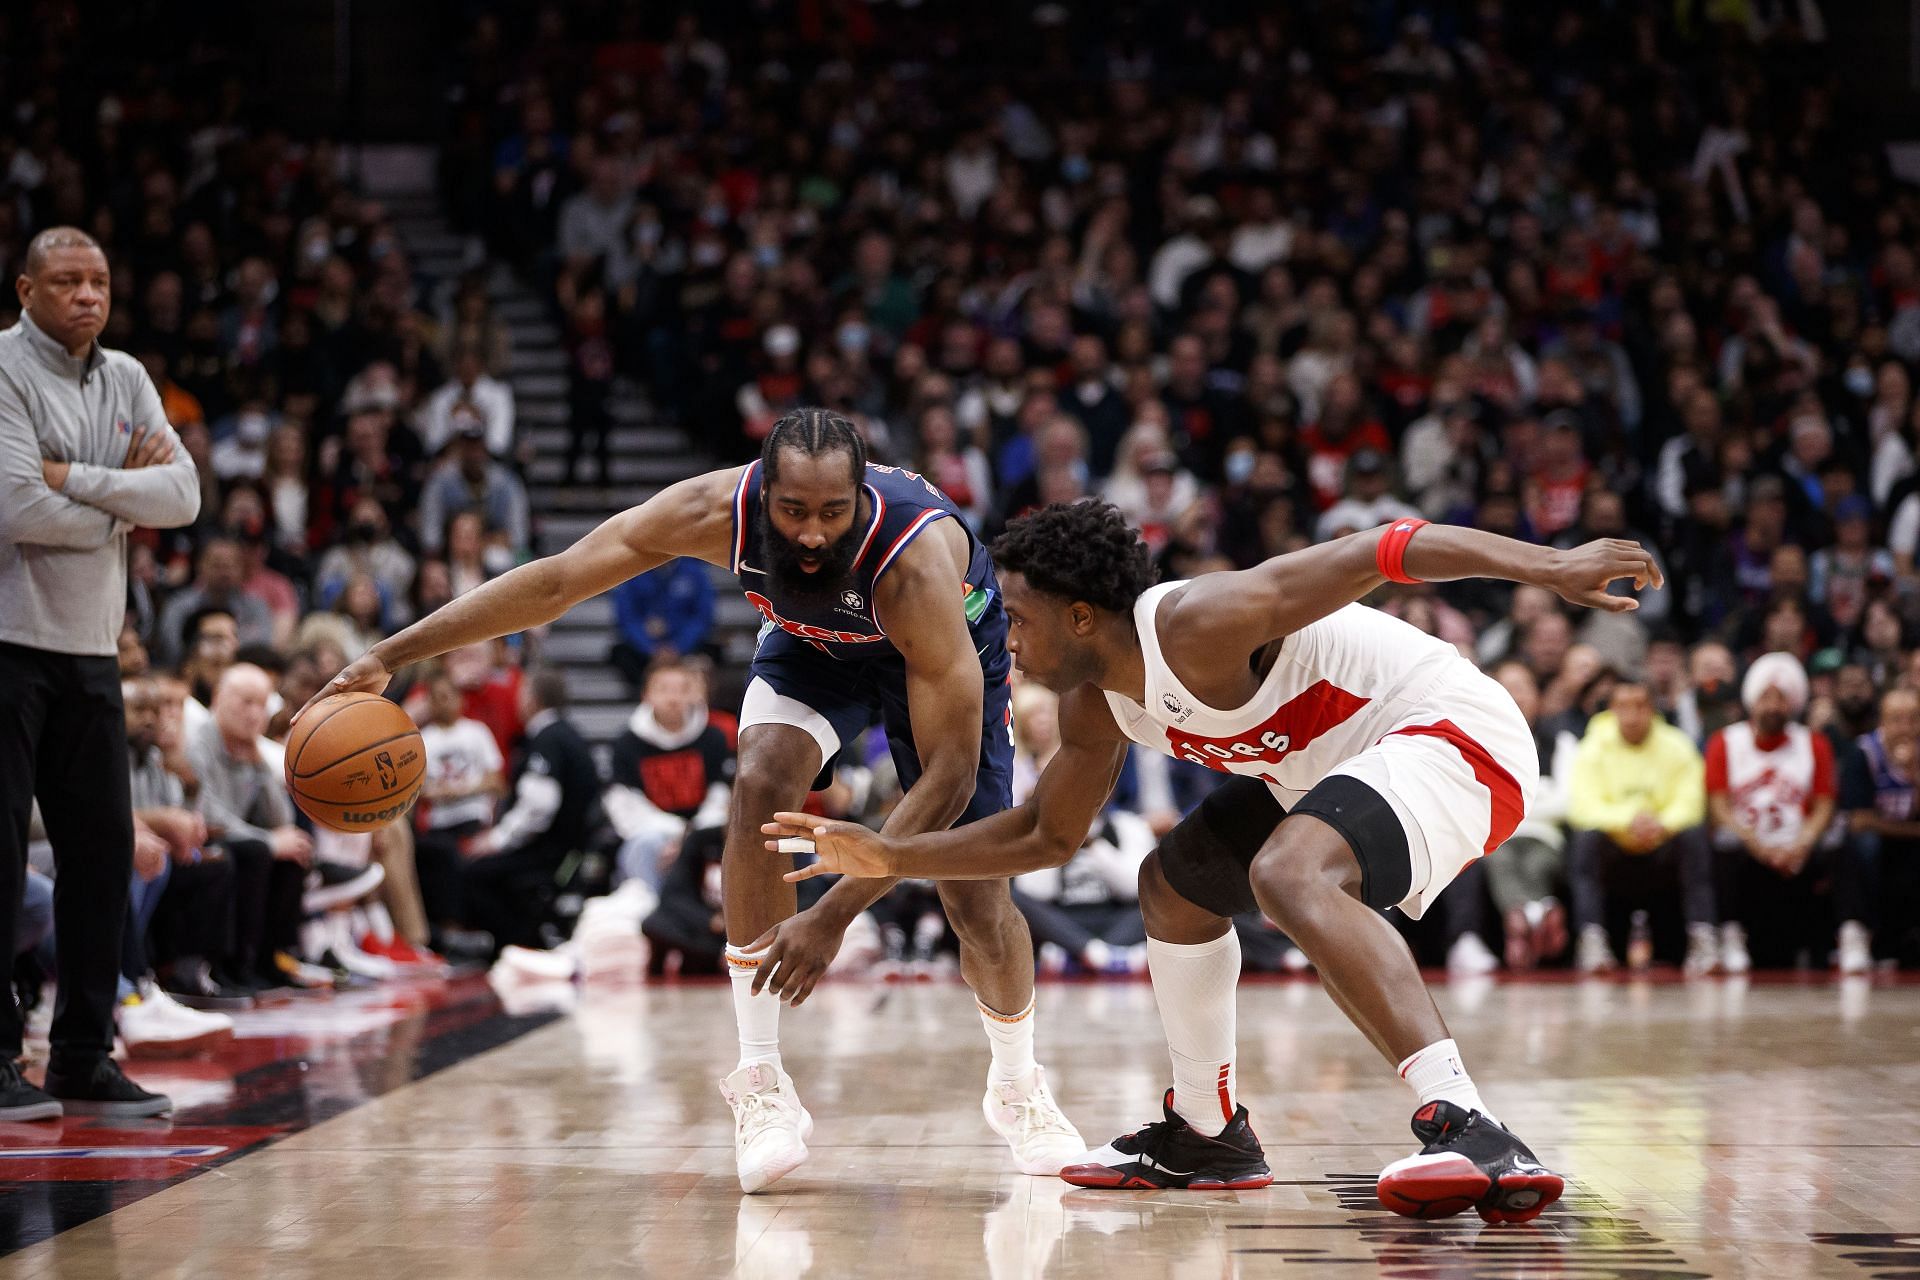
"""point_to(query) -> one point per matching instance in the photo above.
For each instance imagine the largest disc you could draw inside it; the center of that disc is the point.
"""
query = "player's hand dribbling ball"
(355, 762)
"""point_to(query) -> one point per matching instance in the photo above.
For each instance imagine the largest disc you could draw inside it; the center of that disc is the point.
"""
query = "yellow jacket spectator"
(1616, 779)
(1637, 802)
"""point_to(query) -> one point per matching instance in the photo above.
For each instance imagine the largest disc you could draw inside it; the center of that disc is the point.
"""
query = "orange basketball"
(355, 762)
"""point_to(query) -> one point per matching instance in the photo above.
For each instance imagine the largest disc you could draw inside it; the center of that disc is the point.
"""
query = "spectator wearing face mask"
(369, 550)
(240, 449)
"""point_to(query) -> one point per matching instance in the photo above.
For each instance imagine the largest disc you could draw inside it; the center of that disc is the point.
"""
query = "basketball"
(355, 762)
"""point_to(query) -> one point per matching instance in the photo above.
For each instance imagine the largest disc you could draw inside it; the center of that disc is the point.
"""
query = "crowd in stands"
(1261, 276)
(1258, 278)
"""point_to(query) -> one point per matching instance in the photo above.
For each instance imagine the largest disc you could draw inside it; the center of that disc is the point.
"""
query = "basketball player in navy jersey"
(881, 608)
(1371, 763)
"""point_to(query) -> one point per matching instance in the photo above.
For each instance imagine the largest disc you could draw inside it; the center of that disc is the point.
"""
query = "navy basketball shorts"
(834, 701)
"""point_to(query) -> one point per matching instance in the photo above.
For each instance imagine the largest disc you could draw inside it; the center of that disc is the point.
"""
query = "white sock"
(757, 1016)
(1011, 1037)
(1194, 985)
(1436, 1073)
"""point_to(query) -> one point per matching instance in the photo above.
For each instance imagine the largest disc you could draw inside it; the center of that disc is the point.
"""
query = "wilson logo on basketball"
(369, 819)
(1292, 728)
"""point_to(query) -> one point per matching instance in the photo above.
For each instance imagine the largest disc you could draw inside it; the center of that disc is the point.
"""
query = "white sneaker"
(1024, 1113)
(1856, 948)
(1733, 949)
(861, 948)
(1703, 951)
(543, 966)
(1053, 958)
(770, 1127)
(152, 1026)
(1294, 960)
(1595, 953)
(1469, 957)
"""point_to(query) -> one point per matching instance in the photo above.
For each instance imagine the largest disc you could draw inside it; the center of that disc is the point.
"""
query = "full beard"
(826, 583)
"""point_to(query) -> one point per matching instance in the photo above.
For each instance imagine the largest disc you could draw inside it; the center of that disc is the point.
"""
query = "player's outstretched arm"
(1292, 591)
(1044, 832)
(692, 518)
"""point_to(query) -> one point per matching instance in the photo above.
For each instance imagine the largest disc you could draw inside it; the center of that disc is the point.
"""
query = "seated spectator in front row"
(556, 801)
(1771, 791)
(250, 820)
(1892, 825)
(1637, 808)
(672, 773)
(170, 872)
(689, 921)
(1088, 911)
(1524, 873)
(465, 777)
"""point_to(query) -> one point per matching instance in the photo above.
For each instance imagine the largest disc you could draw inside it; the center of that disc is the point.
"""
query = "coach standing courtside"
(85, 455)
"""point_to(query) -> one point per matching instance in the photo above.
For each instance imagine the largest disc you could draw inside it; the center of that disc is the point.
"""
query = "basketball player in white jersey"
(1370, 764)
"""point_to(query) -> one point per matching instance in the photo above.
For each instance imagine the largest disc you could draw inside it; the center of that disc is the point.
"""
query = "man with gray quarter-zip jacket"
(86, 455)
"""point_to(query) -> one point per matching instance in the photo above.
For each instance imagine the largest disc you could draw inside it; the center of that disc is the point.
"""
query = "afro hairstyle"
(1082, 550)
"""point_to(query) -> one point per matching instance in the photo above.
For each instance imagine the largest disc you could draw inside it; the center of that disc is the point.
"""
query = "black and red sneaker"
(1169, 1155)
(1469, 1162)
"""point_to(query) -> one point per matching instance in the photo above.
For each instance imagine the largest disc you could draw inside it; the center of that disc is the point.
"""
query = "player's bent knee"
(1167, 913)
(1297, 872)
(977, 909)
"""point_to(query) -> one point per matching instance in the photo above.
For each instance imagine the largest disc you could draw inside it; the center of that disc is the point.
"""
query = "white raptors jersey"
(1770, 789)
(1337, 687)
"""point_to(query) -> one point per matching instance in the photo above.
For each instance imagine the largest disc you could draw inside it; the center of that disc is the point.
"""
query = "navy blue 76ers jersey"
(903, 505)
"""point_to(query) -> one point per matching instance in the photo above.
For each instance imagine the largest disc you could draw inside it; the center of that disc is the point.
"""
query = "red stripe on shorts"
(1508, 804)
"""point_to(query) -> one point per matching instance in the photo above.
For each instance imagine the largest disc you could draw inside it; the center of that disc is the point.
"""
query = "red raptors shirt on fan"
(1772, 783)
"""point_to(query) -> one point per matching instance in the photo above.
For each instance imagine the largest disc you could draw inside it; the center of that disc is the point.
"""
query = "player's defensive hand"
(1583, 574)
(364, 675)
(796, 953)
(843, 848)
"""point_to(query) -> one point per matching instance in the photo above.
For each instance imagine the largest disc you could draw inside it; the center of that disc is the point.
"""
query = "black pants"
(1606, 883)
(195, 917)
(685, 924)
(1785, 915)
(506, 894)
(1071, 928)
(266, 906)
(437, 861)
(63, 738)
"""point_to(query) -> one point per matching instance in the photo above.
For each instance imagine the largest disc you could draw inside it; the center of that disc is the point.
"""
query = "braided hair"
(815, 432)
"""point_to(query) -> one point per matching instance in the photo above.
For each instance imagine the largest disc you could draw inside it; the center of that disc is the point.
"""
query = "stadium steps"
(646, 456)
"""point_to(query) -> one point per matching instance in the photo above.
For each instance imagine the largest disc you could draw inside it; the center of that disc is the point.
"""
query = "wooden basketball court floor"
(1717, 1128)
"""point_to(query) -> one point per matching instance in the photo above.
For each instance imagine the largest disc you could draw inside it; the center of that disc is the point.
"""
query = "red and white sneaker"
(1469, 1162)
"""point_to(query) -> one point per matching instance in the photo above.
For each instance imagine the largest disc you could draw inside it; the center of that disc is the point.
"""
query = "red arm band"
(1392, 552)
